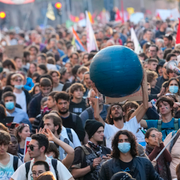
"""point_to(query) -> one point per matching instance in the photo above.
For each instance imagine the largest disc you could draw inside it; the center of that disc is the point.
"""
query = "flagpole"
(122, 9)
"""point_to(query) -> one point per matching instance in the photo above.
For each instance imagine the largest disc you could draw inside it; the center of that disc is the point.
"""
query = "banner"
(16, 1)
(91, 41)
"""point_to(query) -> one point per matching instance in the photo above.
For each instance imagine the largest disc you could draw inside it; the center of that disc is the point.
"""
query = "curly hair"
(109, 120)
(132, 141)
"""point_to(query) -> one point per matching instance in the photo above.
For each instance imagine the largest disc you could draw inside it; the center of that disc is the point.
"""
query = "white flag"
(136, 42)
(91, 41)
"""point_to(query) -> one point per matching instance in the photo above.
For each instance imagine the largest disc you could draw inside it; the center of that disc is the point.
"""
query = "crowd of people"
(47, 96)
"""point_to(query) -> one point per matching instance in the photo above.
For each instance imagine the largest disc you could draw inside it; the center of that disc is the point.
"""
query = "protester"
(89, 158)
(22, 132)
(8, 162)
(124, 158)
(37, 149)
(154, 146)
(38, 168)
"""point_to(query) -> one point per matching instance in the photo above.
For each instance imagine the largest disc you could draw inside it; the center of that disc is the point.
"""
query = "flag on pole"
(17, 1)
(118, 16)
(136, 42)
(50, 12)
(76, 41)
(178, 34)
(91, 41)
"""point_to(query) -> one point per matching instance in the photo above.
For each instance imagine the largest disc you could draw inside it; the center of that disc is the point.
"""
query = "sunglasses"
(31, 147)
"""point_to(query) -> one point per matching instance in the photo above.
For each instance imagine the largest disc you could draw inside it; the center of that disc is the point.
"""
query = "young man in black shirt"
(70, 120)
(77, 103)
(89, 158)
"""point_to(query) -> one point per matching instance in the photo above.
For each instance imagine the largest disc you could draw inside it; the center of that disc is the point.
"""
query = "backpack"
(159, 125)
(69, 133)
(53, 162)
(83, 153)
(15, 162)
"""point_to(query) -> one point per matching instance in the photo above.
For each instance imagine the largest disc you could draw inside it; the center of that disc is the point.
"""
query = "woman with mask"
(22, 132)
(173, 87)
(124, 158)
(154, 145)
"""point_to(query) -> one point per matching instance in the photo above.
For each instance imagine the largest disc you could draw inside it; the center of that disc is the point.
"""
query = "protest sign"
(14, 51)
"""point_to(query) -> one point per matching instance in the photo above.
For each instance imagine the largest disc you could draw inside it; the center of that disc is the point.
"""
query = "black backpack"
(53, 162)
(15, 163)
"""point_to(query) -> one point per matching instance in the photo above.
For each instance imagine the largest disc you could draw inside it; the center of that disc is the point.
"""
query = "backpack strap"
(176, 124)
(90, 113)
(27, 167)
(86, 152)
(69, 133)
(54, 164)
(159, 125)
(15, 162)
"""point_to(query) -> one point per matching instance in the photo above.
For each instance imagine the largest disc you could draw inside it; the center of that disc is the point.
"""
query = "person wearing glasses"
(38, 168)
(22, 132)
(37, 149)
(8, 162)
(23, 97)
(154, 145)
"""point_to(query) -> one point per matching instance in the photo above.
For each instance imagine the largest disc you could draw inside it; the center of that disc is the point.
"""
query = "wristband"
(91, 167)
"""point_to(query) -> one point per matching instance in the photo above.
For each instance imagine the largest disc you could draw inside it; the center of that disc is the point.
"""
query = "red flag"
(122, 10)
(118, 16)
(158, 16)
(16, 1)
(178, 34)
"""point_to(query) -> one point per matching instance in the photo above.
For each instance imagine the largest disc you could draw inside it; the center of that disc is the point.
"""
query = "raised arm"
(68, 160)
(141, 110)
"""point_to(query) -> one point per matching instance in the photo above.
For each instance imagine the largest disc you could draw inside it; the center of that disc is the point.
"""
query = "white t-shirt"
(21, 100)
(76, 142)
(63, 173)
(6, 171)
(131, 125)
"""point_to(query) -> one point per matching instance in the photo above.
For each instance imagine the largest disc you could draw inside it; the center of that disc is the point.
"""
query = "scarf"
(96, 148)
(162, 167)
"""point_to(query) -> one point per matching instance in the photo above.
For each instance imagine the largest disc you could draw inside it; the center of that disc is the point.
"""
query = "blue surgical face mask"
(18, 86)
(9, 105)
(51, 157)
(173, 89)
(124, 147)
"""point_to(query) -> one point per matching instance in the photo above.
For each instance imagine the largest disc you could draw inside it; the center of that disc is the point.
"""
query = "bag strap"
(15, 162)
(176, 124)
(54, 164)
(69, 133)
(27, 167)
(159, 125)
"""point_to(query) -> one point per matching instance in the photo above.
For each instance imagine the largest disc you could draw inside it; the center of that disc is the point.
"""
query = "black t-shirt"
(77, 108)
(126, 166)
(74, 122)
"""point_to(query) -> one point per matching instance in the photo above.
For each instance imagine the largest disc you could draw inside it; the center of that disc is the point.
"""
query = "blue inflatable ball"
(116, 71)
